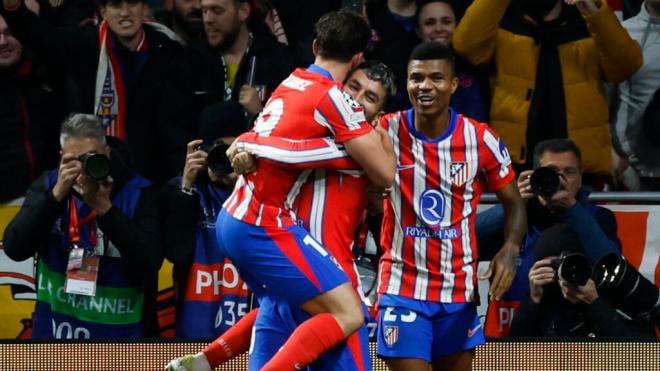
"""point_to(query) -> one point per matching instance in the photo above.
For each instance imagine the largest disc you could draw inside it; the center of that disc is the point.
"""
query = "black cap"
(221, 119)
(557, 239)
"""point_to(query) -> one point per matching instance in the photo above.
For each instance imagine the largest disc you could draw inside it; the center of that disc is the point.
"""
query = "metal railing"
(628, 197)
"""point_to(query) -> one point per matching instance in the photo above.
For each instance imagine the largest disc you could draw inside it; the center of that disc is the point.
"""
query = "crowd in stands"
(158, 75)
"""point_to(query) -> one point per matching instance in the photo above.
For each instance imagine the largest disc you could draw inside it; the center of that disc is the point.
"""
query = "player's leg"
(460, 361)
(457, 332)
(404, 338)
(295, 268)
(272, 328)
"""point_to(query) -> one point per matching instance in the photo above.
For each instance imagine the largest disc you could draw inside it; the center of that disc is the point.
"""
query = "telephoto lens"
(622, 285)
(95, 165)
(544, 181)
(573, 268)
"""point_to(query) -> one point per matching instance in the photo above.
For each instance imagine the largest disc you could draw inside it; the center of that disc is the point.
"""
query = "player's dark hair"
(423, 3)
(341, 34)
(560, 145)
(379, 72)
(433, 50)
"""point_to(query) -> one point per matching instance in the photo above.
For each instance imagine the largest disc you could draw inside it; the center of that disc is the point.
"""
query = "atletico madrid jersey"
(308, 104)
(428, 225)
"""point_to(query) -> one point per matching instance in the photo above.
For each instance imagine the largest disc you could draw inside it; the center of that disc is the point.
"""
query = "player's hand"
(70, 168)
(243, 163)
(195, 161)
(586, 7)
(579, 294)
(502, 269)
(525, 186)
(540, 275)
(249, 98)
(194, 362)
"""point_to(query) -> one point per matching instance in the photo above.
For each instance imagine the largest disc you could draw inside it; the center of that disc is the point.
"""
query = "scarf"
(110, 91)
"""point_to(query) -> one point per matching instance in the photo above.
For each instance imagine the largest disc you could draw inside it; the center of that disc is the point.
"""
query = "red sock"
(233, 342)
(307, 343)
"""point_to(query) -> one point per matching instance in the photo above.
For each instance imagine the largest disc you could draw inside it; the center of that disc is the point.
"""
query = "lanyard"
(229, 89)
(74, 225)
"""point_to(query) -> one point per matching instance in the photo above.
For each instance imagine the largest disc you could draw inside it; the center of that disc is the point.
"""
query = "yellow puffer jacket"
(604, 52)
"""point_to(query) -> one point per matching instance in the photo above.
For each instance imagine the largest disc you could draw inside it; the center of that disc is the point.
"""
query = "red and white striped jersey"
(428, 226)
(331, 203)
(307, 104)
(331, 207)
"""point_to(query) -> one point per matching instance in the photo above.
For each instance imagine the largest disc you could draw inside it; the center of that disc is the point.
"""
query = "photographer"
(566, 203)
(93, 224)
(564, 301)
(210, 296)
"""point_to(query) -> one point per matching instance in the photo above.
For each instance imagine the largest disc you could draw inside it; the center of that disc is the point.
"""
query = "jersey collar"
(410, 122)
(321, 71)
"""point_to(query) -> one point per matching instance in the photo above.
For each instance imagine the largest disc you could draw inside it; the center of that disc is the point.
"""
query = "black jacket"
(564, 319)
(137, 239)
(156, 125)
(205, 78)
(31, 110)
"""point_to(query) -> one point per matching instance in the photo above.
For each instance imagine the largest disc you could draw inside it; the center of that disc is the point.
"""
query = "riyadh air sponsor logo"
(424, 232)
(432, 207)
(391, 335)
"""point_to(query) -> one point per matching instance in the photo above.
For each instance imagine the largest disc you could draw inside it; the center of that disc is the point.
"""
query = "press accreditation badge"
(82, 280)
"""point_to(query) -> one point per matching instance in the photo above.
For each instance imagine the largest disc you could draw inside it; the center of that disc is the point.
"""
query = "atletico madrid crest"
(391, 335)
(459, 173)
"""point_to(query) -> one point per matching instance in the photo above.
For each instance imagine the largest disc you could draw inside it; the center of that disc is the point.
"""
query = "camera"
(95, 165)
(217, 158)
(622, 285)
(545, 181)
(573, 268)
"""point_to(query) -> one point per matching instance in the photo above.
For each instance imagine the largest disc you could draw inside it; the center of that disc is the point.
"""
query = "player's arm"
(501, 179)
(298, 154)
(503, 265)
(374, 152)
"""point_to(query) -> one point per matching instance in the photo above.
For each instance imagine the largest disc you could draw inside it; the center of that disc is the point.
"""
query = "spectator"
(569, 205)
(112, 230)
(30, 108)
(556, 307)
(298, 18)
(184, 17)
(393, 23)
(640, 151)
(210, 296)
(223, 84)
(579, 43)
(435, 20)
(126, 78)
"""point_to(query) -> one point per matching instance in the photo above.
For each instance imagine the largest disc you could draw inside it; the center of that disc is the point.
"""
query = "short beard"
(192, 29)
(229, 39)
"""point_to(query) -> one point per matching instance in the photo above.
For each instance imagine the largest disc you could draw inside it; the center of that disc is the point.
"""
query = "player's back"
(308, 104)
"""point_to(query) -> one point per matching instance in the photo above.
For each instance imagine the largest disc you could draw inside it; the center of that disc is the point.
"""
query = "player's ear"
(315, 47)
(357, 59)
(454, 85)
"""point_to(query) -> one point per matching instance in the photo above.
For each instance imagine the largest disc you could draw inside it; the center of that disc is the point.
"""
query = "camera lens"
(544, 181)
(95, 165)
(574, 269)
(217, 158)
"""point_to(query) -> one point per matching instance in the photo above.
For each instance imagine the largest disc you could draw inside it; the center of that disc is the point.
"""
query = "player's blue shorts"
(275, 323)
(409, 328)
(280, 261)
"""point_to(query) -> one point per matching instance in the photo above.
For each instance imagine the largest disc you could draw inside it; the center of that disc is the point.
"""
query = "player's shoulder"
(484, 131)
(308, 82)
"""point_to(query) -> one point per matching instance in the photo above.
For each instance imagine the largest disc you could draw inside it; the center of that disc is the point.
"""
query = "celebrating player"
(257, 228)
(330, 206)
